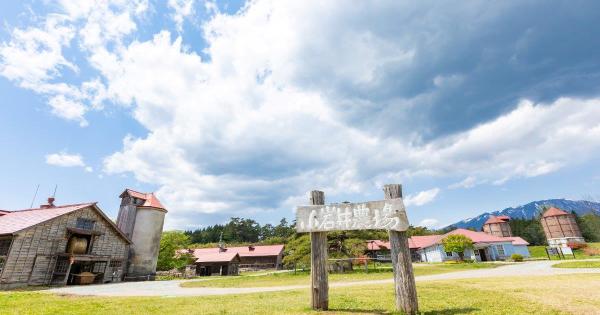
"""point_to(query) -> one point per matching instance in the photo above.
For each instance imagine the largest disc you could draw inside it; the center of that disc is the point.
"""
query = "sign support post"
(404, 278)
(319, 287)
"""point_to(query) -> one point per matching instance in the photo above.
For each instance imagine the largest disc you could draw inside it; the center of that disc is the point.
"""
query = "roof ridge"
(55, 207)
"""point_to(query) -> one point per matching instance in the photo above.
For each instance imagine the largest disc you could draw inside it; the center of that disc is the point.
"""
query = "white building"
(486, 247)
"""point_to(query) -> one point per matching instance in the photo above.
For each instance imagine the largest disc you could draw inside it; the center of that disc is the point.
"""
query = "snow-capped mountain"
(532, 210)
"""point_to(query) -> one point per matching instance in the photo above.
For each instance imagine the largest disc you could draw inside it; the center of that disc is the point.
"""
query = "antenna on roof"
(54, 194)
(34, 195)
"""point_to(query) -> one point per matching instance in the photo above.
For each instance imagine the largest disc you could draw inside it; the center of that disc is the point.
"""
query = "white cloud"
(182, 9)
(421, 198)
(63, 159)
(429, 223)
(468, 182)
(287, 102)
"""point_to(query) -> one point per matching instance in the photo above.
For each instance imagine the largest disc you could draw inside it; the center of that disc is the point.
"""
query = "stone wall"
(32, 256)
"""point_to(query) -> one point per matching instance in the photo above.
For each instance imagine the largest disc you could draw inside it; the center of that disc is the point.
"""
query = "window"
(115, 265)
(4, 247)
(85, 224)
(1, 264)
(62, 264)
(500, 250)
(99, 267)
(448, 254)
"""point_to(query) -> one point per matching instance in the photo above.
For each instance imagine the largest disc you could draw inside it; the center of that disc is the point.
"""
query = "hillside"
(532, 210)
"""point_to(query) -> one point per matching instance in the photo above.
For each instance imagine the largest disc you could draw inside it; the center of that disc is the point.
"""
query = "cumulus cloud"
(294, 96)
(63, 159)
(421, 198)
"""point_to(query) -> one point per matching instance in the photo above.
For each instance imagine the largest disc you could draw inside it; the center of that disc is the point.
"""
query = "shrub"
(576, 245)
(590, 251)
(516, 257)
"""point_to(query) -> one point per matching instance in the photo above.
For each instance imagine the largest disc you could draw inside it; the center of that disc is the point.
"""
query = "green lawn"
(558, 295)
(578, 264)
(540, 252)
(299, 278)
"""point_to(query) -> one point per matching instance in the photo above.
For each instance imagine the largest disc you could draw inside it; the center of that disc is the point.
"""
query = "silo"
(560, 227)
(498, 226)
(141, 218)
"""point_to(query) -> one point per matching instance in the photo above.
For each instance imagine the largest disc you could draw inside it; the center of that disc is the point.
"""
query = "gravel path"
(172, 288)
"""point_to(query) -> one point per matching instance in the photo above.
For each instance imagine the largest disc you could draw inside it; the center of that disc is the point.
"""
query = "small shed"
(217, 264)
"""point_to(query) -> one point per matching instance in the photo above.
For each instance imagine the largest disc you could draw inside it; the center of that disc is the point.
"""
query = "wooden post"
(318, 261)
(404, 278)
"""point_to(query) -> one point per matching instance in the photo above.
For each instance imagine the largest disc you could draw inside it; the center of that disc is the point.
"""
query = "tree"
(170, 242)
(457, 243)
(297, 251)
(590, 227)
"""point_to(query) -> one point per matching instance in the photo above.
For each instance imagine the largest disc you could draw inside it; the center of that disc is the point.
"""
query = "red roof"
(517, 240)
(15, 221)
(150, 199)
(416, 242)
(243, 251)
(552, 212)
(377, 245)
(423, 241)
(217, 257)
(497, 219)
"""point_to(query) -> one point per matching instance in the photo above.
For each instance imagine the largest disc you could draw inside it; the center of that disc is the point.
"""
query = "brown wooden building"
(60, 245)
(498, 226)
(250, 257)
(560, 227)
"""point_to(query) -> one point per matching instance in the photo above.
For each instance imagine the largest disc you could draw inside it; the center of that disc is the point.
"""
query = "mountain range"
(531, 210)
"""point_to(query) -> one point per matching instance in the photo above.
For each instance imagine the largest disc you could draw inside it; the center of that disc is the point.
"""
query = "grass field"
(557, 295)
(280, 279)
(578, 264)
(540, 252)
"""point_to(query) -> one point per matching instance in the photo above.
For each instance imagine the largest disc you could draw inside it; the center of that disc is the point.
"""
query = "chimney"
(50, 203)
(250, 248)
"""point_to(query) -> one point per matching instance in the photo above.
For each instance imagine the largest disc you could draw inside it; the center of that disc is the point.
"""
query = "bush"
(516, 257)
(590, 251)
(576, 245)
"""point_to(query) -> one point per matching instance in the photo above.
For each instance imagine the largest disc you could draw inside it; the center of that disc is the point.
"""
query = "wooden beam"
(318, 261)
(404, 278)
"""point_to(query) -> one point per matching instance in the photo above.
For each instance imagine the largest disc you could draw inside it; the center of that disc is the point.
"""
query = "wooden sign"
(371, 215)
(388, 214)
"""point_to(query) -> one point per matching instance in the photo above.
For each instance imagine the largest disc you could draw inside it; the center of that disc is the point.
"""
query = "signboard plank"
(383, 214)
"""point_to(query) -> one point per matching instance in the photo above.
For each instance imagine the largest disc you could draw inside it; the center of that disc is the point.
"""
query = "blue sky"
(233, 109)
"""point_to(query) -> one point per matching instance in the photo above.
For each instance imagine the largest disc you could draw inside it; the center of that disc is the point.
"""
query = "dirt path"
(173, 289)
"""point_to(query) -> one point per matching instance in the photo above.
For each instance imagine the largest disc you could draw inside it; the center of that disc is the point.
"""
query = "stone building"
(498, 226)
(141, 218)
(58, 245)
(560, 227)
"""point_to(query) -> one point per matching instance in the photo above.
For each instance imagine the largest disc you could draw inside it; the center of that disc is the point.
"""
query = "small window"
(99, 267)
(115, 264)
(4, 247)
(62, 264)
(500, 250)
(448, 254)
(85, 224)
(1, 264)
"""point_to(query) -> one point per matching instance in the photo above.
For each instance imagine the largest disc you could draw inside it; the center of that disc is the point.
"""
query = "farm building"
(487, 247)
(141, 217)
(498, 226)
(60, 245)
(250, 257)
(75, 244)
(560, 227)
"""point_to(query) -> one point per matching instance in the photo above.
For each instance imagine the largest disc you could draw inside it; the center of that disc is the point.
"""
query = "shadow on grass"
(447, 311)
